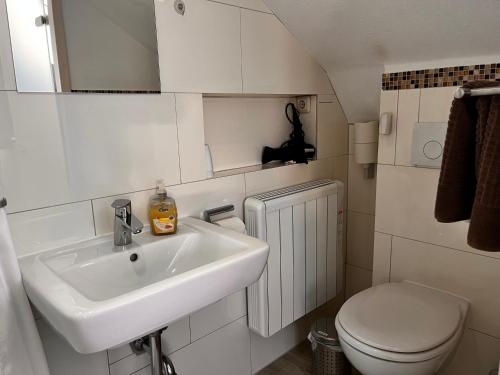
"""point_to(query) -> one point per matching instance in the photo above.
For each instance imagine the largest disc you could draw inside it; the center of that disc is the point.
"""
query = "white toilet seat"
(396, 356)
(401, 328)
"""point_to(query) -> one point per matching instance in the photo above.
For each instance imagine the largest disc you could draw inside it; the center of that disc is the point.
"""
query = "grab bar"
(461, 92)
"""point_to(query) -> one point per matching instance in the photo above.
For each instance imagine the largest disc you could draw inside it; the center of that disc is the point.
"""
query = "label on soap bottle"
(164, 225)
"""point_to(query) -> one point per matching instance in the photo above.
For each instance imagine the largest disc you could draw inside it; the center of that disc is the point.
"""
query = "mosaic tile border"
(440, 77)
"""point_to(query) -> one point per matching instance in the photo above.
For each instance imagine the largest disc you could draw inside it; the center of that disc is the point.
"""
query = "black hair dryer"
(295, 149)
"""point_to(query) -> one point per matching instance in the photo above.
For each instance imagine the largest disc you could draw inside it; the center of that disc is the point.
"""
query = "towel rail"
(462, 92)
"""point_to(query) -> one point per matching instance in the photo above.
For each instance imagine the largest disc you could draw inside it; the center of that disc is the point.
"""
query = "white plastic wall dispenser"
(385, 124)
(366, 145)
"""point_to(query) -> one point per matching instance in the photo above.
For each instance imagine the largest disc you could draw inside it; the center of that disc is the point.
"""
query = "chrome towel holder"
(464, 92)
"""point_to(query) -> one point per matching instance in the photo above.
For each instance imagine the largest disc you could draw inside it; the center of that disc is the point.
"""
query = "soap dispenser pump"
(162, 212)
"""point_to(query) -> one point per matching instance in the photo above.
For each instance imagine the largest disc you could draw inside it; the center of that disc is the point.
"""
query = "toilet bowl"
(401, 328)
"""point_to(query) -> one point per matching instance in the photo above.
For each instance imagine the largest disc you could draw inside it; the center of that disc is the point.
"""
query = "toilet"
(401, 328)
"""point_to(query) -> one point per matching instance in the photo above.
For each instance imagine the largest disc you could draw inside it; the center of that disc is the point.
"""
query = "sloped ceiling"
(355, 39)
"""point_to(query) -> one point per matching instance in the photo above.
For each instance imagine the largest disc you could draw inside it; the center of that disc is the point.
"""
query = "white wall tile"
(351, 139)
(332, 130)
(249, 4)
(360, 232)
(191, 200)
(382, 248)
(326, 98)
(199, 51)
(357, 279)
(176, 336)
(64, 360)
(115, 354)
(130, 364)
(267, 47)
(475, 277)
(340, 170)
(6, 126)
(223, 352)
(190, 124)
(435, 104)
(477, 354)
(275, 178)
(118, 143)
(33, 169)
(7, 79)
(144, 371)
(405, 207)
(52, 227)
(75, 147)
(358, 87)
(407, 117)
(217, 315)
(362, 191)
(387, 143)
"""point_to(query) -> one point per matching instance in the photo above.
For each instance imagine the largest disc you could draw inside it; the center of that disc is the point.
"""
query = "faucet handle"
(121, 203)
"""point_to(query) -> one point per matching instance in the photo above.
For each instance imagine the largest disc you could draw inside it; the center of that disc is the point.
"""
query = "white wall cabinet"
(219, 48)
(199, 51)
(274, 62)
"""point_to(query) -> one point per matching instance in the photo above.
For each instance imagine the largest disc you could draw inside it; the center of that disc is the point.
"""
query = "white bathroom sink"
(98, 298)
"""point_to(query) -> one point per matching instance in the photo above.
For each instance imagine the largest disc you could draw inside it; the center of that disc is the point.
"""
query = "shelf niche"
(238, 127)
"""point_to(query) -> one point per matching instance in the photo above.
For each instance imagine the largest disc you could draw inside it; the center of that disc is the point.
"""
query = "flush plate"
(428, 144)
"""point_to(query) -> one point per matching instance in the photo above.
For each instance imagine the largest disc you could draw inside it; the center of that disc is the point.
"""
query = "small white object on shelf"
(209, 165)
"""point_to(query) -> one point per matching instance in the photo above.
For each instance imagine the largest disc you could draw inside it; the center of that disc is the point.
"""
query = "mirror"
(84, 45)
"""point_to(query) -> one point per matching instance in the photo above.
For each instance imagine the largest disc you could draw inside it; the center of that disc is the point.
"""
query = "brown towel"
(469, 184)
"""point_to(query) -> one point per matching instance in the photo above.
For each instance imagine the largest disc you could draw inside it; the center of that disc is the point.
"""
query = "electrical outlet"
(304, 104)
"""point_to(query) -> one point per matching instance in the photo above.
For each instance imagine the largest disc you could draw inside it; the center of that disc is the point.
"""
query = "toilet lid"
(401, 317)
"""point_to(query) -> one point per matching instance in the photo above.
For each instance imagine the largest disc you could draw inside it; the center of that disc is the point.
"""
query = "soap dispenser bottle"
(162, 212)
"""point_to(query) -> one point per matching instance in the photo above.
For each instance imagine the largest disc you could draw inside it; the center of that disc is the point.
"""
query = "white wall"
(360, 225)
(411, 244)
(68, 156)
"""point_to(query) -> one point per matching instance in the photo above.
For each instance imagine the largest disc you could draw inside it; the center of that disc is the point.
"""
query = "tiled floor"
(298, 361)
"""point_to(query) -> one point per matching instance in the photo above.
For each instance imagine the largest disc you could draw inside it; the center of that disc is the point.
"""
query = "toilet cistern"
(125, 222)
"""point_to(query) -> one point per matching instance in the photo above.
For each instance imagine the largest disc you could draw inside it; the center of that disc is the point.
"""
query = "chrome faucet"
(125, 222)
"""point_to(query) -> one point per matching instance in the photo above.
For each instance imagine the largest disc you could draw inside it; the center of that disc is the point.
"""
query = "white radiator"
(303, 226)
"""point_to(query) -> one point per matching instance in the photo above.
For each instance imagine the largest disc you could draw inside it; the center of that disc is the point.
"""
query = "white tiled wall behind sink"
(410, 244)
(219, 329)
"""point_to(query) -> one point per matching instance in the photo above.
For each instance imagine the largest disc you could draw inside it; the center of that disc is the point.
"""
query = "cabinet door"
(274, 62)
(199, 51)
